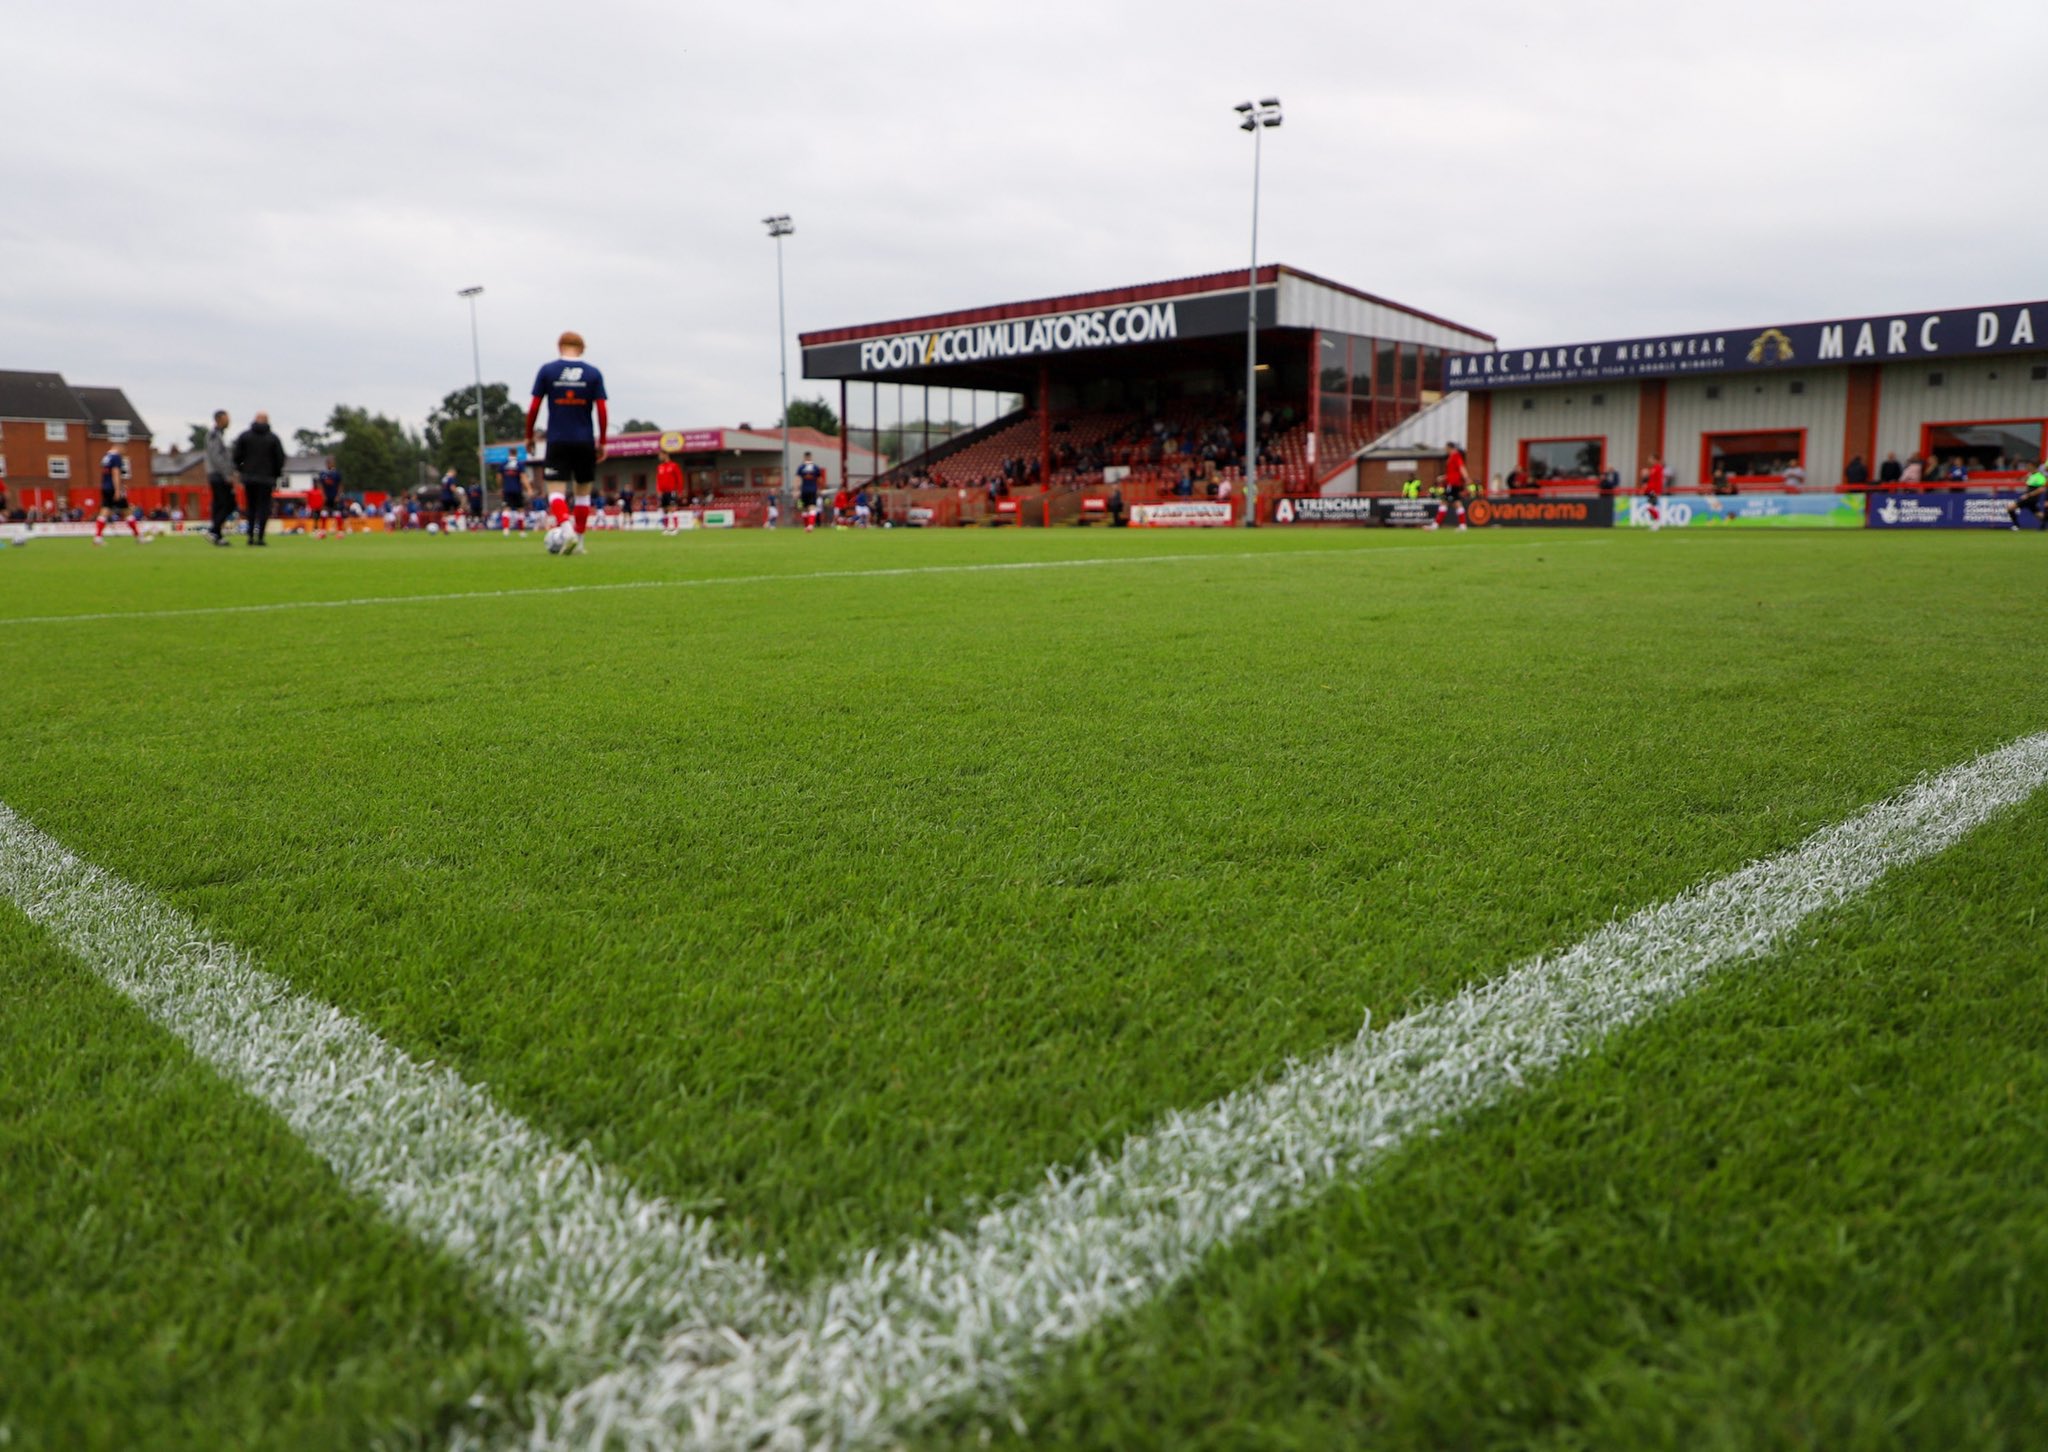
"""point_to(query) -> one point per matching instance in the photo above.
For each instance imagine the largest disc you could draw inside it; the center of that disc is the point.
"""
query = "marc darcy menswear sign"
(1206, 315)
(1964, 332)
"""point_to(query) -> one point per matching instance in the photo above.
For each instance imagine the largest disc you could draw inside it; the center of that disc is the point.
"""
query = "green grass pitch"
(833, 894)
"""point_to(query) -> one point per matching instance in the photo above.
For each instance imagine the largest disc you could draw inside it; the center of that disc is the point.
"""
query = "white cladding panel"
(1758, 402)
(1563, 413)
(1982, 390)
(1305, 304)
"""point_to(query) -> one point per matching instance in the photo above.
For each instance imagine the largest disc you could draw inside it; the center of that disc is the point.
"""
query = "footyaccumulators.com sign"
(1960, 333)
(1206, 316)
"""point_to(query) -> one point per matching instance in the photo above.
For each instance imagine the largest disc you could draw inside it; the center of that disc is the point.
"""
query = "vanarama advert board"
(1591, 512)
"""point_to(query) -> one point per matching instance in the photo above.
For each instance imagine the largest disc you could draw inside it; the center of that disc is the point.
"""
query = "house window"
(2009, 446)
(1555, 459)
(56, 433)
(117, 430)
(60, 467)
(1753, 458)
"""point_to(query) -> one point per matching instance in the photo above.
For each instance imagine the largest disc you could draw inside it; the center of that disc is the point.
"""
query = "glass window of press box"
(1368, 385)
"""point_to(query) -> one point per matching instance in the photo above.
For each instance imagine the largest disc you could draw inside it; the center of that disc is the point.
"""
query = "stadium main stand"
(1143, 386)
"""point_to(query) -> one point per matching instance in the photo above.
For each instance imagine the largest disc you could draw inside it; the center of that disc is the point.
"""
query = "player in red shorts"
(1457, 488)
(111, 467)
(579, 422)
(1653, 491)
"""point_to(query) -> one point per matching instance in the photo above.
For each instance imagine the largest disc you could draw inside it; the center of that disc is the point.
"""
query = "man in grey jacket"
(220, 475)
(259, 459)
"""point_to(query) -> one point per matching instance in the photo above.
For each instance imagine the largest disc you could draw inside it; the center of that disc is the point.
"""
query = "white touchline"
(704, 1350)
(590, 1267)
(794, 577)
(959, 1318)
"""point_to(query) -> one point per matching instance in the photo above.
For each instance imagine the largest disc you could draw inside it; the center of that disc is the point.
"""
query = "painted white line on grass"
(704, 1350)
(593, 1269)
(270, 606)
(961, 1317)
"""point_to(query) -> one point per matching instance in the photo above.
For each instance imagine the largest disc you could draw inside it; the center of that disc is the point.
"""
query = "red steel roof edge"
(1110, 297)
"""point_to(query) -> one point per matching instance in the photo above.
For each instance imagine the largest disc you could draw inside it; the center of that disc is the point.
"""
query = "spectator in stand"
(1959, 472)
(1795, 477)
(1915, 471)
(1889, 471)
(1857, 474)
(1724, 483)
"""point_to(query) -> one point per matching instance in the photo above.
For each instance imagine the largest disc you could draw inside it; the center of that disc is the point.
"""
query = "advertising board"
(1331, 509)
(1405, 513)
(1747, 511)
(1945, 511)
(1182, 514)
(1591, 512)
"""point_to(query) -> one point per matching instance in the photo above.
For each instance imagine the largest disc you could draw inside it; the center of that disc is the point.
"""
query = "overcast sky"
(272, 205)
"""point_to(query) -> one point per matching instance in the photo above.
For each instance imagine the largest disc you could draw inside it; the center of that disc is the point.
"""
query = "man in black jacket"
(259, 460)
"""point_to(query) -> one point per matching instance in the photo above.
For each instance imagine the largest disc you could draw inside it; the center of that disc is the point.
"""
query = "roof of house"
(109, 405)
(39, 396)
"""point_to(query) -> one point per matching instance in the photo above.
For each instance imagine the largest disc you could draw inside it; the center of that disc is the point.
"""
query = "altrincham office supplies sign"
(1901, 337)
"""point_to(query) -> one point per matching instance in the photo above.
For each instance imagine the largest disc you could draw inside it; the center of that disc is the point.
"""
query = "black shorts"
(515, 499)
(570, 463)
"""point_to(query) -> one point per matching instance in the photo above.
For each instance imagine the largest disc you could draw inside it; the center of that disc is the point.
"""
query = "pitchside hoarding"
(1332, 509)
(1184, 514)
(1748, 511)
(1204, 315)
(1945, 511)
(1960, 333)
(1592, 512)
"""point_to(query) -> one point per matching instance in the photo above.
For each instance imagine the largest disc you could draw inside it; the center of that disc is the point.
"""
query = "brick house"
(52, 437)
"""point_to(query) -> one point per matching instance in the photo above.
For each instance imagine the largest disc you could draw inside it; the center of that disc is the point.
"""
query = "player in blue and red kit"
(512, 485)
(112, 465)
(579, 422)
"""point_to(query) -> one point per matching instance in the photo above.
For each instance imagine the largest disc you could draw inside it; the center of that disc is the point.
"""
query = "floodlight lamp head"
(469, 292)
(1274, 119)
(1270, 101)
(779, 225)
(1241, 107)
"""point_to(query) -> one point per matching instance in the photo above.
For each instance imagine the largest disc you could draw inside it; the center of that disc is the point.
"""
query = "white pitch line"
(593, 1269)
(961, 1318)
(704, 1350)
(271, 606)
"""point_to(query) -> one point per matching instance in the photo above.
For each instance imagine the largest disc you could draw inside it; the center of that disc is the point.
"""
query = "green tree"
(639, 426)
(198, 433)
(311, 441)
(375, 454)
(812, 413)
(451, 427)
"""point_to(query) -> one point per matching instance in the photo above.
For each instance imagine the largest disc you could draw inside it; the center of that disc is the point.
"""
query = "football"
(557, 539)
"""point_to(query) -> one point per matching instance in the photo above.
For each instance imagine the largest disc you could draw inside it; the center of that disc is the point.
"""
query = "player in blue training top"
(808, 477)
(112, 468)
(512, 485)
(573, 391)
